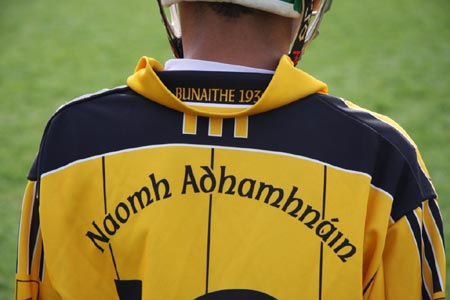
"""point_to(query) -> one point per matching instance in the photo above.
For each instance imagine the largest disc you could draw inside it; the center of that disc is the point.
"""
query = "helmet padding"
(278, 7)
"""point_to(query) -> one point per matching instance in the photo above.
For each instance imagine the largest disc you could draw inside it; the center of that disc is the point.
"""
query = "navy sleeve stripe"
(435, 212)
(430, 257)
(416, 230)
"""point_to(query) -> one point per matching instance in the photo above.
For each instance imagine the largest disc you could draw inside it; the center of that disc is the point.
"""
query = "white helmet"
(303, 9)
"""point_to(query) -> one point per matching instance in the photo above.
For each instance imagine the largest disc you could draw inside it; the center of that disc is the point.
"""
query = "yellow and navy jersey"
(218, 185)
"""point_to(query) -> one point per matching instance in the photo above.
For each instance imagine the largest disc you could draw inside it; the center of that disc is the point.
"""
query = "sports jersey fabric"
(227, 185)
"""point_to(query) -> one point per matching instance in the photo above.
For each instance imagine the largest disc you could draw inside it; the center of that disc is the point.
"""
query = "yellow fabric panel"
(27, 289)
(168, 234)
(376, 290)
(28, 283)
(67, 205)
(404, 269)
(47, 292)
(215, 126)
(24, 231)
(189, 124)
(241, 127)
(375, 231)
(401, 262)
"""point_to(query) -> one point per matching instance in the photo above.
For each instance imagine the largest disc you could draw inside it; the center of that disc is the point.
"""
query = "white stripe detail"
(382, 191)
(85, 96)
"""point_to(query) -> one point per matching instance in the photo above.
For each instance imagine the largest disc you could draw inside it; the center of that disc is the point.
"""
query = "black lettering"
(309, 211)
(351, 250)
(223, 179)
(270, 191)
(292, 199)
(189, 179)
(99, 236)
(156, 185)
(251, 187)
(335, 239)
(138, 196)
(125, 209)
(209, 176)
(109, 220)
(325, 229)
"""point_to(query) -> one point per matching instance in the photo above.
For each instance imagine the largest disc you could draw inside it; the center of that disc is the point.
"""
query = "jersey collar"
(288, 84)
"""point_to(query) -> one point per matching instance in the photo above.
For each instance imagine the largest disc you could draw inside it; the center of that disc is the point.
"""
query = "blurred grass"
(53, 51)
(389, 56)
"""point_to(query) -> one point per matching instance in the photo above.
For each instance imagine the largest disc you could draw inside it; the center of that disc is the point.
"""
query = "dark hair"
(230, 10)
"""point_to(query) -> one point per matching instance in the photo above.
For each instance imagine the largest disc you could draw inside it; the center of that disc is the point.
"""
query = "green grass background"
(388, 56)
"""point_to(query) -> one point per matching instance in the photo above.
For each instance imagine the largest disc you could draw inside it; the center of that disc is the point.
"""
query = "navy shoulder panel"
(101, 123)
(357, 139)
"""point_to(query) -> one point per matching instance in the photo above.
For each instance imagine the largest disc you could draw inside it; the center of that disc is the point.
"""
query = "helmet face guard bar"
(309, 28)
(173, 28)
(310, 21)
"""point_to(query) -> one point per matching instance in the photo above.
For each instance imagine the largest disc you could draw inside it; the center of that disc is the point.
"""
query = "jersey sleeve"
(433, 251)
(29, 266)
(32, 281)
(413, 265)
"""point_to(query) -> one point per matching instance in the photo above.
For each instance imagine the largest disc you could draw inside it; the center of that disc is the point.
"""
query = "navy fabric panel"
(106, 123)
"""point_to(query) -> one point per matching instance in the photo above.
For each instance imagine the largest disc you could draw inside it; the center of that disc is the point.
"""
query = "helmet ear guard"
(308, 30)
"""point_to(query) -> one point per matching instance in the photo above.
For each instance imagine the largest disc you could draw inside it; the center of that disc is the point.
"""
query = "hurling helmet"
(303, 9)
